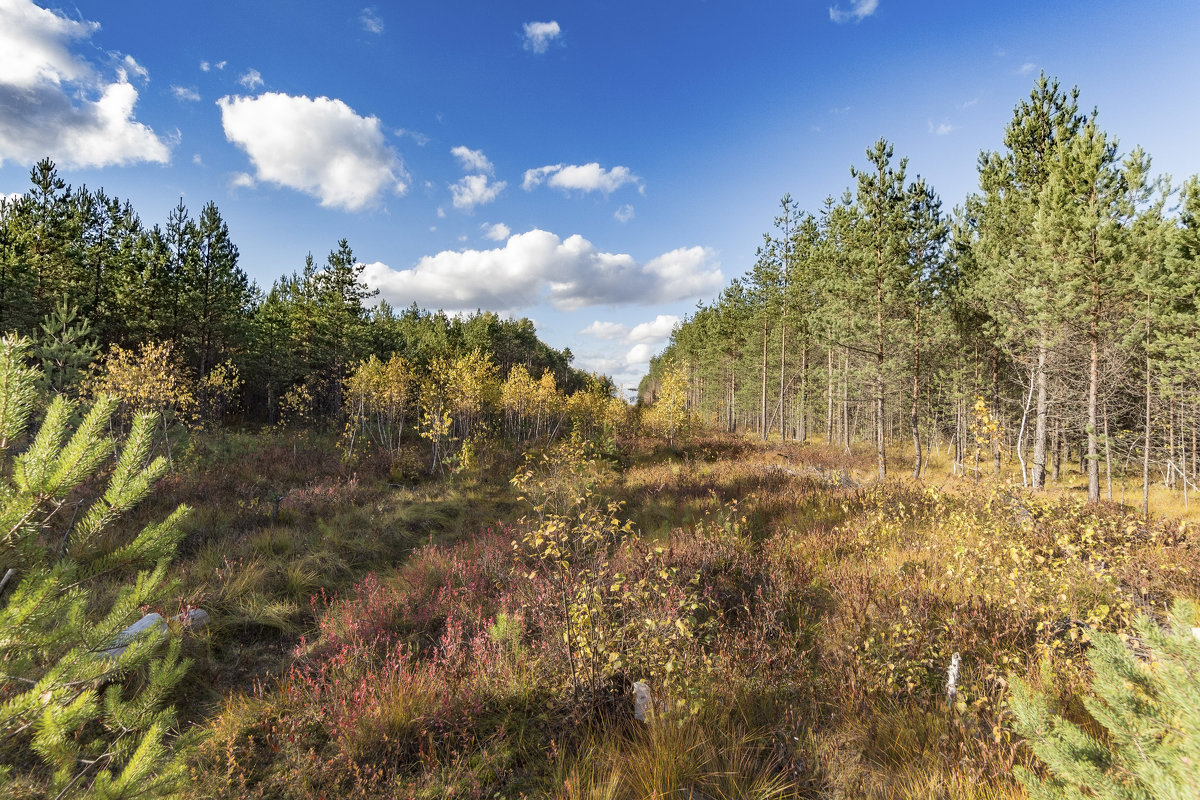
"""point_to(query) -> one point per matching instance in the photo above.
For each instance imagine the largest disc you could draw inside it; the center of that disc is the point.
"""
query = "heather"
(795, 627)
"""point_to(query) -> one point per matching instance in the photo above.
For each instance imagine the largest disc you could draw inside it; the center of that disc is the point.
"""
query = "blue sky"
(596, 166)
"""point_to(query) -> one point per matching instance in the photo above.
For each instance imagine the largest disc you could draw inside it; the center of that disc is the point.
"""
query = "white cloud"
(241, 180)
(974, 101)
(582, 177)
(251, 80)
(642, 341)
(475, 190)
(639, 354)
(1027, 68)
(53, 102)
(197, 160)
(859, 9)
(418, 137)
(537, 266)
(498, 232)
(538, 35)
(371, 21)
(624, 213)
(183, 93)
(130, 64)
(657, 331)
(941, 129)
(205, 66)
(606, 330)
(319, 146)
(441, 213)
(472, 160)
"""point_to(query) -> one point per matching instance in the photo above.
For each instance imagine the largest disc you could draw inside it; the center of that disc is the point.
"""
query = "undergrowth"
(796, 627)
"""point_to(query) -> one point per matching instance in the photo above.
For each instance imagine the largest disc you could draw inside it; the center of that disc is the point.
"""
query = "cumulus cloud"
(251, 80)
(624, 213)
(858, 10)
(657, 331)
(606, 330)
(498, 232)
(241, 180)
(472, 160)
(941, 129)
(580, 177)
(1027, 68)
(643, 340)
(53, 102)
(538, 266)
(318, 146)
(475, 190)
(184, 94)
(538, 35)
(371, 21)
(205, 66)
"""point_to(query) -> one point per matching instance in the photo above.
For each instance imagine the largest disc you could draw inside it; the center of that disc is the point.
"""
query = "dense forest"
(1052, 316)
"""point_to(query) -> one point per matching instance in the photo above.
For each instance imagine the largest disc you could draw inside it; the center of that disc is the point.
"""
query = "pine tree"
(75, 721)
(65, 347)
(1150, 712)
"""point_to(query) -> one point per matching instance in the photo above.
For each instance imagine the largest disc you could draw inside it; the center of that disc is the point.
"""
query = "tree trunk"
(802, 433)
(846, 399)
(829, 399)
(916, 393)
(1038, 478)
(782, 382)
(880, 451)
(1107, 455)
(1093, 454)
(1147, 433)
(763, 414)
(996, 408)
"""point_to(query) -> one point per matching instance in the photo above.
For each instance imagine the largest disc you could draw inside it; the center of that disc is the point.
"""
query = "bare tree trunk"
(846, 399)
(996, 448)
(829, 399)
(916, 393)
(732, 399)
(1107, 454)
(802, 433)
(1146, 434)
(1056, 455)
(1038, 479)
(880, 449)
(1171, 442)
(1093, 454)
(763, 421)
(782, 382)
(1021, 434)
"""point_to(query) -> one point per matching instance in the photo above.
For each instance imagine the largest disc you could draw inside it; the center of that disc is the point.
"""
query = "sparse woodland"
(1062, 294)
(904, 513)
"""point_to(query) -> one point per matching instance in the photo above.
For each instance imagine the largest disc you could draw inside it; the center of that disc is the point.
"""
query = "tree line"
(85, 278)
(1051, 317)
